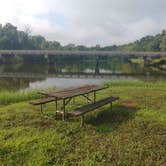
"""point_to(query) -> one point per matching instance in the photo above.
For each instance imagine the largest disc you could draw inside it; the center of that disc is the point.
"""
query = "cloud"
(87, 22)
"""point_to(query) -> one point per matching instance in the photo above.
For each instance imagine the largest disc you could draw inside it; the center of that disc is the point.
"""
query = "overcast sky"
(87, 22)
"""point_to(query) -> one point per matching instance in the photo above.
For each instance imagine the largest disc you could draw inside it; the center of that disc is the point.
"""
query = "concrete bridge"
(147, 56)
(72, 75)
(86, 53)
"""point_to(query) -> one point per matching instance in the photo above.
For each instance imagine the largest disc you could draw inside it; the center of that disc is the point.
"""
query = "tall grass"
(14, 97)
(136, 83)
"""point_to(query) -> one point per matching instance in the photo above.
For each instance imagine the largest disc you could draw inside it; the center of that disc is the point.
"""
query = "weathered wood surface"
(94, 53)
(73, 92)
(93, 106)
(57, 91)
(42, 101)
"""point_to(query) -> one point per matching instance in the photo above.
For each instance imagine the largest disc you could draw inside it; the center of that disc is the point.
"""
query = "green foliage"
(163, 41)
(11, 38)
(148, 43)
(14, 97)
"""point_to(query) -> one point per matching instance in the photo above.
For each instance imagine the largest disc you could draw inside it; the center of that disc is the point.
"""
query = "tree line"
(12, 38)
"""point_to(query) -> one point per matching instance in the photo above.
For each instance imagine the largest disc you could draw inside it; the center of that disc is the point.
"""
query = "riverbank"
(131, 134)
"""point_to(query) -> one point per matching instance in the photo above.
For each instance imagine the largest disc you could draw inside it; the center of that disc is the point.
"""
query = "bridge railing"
(94, 53)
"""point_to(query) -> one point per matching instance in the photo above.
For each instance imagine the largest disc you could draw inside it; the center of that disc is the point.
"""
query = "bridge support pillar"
(50, 59)
(97, 71)
(147, 61)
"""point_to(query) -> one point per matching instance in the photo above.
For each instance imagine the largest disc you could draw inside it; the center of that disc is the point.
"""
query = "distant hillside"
(11, 38)
(148, 43)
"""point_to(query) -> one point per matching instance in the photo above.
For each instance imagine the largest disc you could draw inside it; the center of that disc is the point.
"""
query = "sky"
(87, 22)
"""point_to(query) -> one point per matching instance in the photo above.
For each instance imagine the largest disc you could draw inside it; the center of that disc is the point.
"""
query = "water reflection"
(22, 75)
(112, 65)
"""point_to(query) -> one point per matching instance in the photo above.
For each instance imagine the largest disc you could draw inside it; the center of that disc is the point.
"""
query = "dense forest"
(12, 38)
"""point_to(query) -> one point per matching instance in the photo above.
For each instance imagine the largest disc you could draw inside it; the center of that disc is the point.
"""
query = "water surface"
(74, 71)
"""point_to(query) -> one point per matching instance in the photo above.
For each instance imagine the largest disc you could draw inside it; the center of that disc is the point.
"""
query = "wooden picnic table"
(68, 93)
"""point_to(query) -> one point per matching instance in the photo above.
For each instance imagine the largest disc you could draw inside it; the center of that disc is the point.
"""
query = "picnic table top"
(73, 91)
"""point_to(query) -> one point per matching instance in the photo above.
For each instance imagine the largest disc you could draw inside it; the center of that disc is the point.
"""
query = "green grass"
(14, 97)
(133, 133)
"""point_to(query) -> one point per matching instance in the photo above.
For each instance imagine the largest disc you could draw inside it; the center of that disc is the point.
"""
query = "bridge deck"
(74, 75)
(93, 53)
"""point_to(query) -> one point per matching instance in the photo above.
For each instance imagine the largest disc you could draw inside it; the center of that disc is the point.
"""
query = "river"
(66, 72)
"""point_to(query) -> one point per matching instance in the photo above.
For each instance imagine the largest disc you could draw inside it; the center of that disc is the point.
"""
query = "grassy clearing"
(133, 133)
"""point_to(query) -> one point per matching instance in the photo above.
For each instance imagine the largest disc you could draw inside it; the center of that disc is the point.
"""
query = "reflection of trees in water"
(33, 68)
(76, 64)
(120, 65)
(24, 68)
(16, 83)
(59, 66)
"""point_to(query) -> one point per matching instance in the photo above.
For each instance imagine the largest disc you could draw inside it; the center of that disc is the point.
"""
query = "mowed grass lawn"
(133, 133)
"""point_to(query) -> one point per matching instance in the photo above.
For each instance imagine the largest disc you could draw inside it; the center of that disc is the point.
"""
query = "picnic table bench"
(90, 107)
(42, 101)
(67, 94)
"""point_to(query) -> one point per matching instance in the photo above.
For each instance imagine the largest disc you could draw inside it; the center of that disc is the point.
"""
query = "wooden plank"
(66, 90)
(56, 91)
(86, 91)
(93, 106)
(72, 89)
(42, 101)
(77, 91)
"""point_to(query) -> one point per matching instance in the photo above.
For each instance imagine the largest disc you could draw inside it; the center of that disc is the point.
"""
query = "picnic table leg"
(87, 95)
(82, 120)
(63, 116)
(41, 108)
(56, 107)
(111, 106)
(94, 96)
(74, 101)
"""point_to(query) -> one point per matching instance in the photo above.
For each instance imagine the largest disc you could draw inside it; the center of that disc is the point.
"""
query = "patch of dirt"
(128, 104)
(45, 125)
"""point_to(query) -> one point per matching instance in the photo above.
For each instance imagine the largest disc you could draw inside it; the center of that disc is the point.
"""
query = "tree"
(23, 40)
(9, 37)
(69, 47)
(27, 29)
(81, 48)
(163, 43)
(52, 45)
(38, 41)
